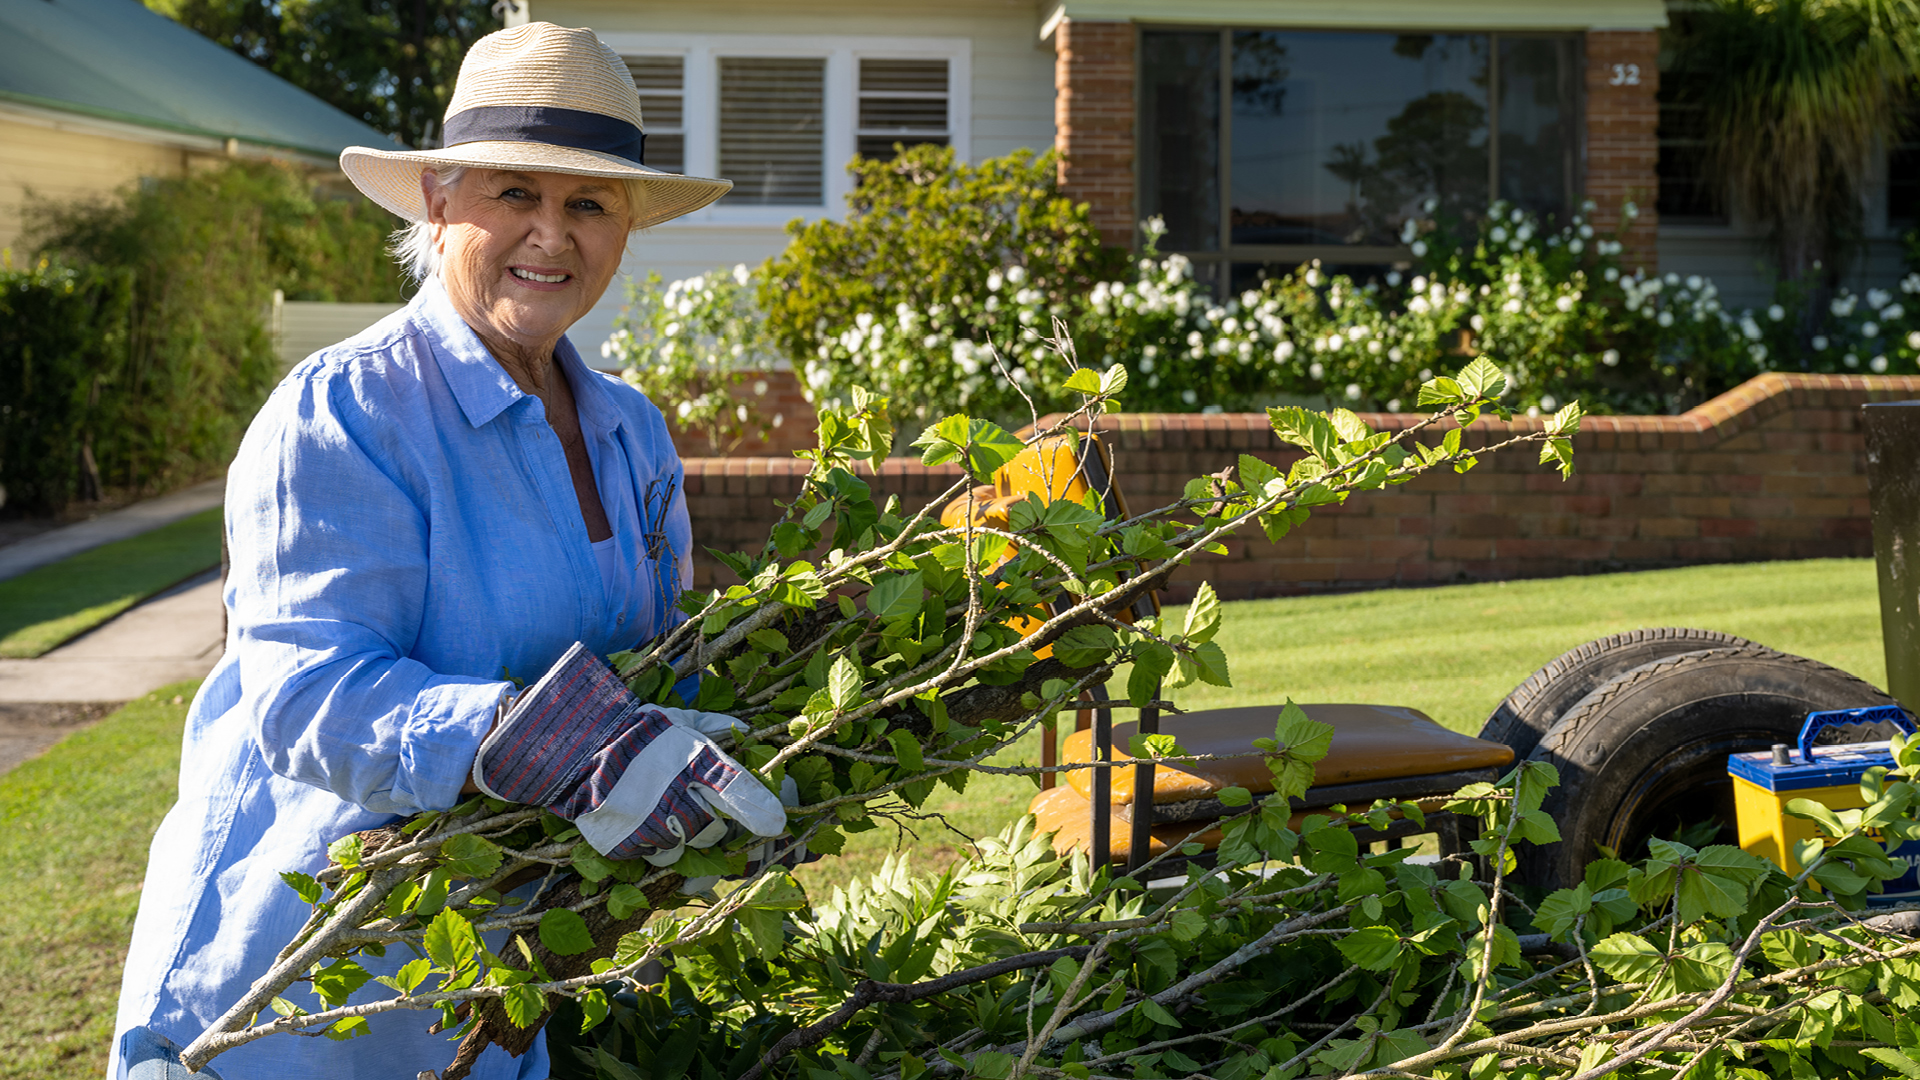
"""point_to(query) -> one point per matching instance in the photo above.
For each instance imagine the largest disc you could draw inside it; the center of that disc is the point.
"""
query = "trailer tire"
(1536, 705)
(1646, 753)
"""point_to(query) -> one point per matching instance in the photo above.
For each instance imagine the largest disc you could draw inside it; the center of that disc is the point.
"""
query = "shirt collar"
(481, 385)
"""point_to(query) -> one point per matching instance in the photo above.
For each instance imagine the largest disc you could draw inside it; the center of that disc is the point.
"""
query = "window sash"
(1221, 257)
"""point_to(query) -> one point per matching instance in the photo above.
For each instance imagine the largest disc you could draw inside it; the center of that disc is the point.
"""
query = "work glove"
(637, 780)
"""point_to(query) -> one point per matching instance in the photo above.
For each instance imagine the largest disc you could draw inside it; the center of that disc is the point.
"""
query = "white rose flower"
(1016, 274)
(1870, 329)
(1776, 312)
(1612, 273)
(1478, 323)
(1420, 283)
(1393, 404)
(1189, 396)
(1316, 371)
(1418, 247)
(994, 281)
(1283, 351)
(1565, 304)
(685, 410)
(1694, 282)
(1393, 279)
(1577, 246)
(1426, 373)
(1877, 298)
(1878, 364)
(1498, 235)
(1913, 340)
(1850, 360)
(1394, 354)
(1820, 341)
(739, 273)
(1665, 318)
(1353, 391)
(1893, 312)
(1586, 232)
(1549, 402)
(1146, 365)
(1336, 342)
(1611, 358)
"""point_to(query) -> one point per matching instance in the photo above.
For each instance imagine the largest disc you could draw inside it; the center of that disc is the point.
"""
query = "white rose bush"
(939, 290)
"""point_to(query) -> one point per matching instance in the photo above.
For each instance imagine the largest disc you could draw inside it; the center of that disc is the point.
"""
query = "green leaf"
(1150, 666)
(350, 1028)
(1374, 948)
(1234, 796)
(524, 1004)
(769, 641)
(1818, 813)
(1299, 742)
(304, 885)
(1084, 646)
(1628, 957)
(593, 1009)
(564, 932)
(1210, 663)
(1203, 615)
(624, 900)
(1440, 391)
(1904, 1064)
(450, 942)
(470, 856)
(992, 1065)
(337, 981)
(907, 749)
(895, 595)
(1114, 380)
(987, 446)
(1482, 379)
(412, 974)
(1083, 381)
(843, 683)
(345, 851)
(1154, 1012)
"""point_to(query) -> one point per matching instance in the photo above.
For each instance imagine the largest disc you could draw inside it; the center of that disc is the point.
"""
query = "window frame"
(700, 103)
(1221, 260)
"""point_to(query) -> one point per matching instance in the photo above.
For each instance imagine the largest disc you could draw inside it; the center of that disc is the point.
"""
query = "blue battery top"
(1822, 766)
(1831, 765)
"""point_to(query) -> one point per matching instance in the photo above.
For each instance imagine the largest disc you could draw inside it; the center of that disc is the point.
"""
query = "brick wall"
(774, 394)
(1623, 149)
(1772, 470)
(1093, 121)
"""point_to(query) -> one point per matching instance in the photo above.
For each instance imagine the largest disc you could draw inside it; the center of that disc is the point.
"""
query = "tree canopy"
(390, 63)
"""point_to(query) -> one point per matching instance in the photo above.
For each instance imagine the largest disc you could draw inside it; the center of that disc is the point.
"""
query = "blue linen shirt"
(404, 533)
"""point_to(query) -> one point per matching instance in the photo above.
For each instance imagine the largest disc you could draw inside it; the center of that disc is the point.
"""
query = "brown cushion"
(1370, 742)
(1067, 814)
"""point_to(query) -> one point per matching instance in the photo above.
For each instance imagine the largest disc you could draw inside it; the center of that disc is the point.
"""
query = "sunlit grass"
(1453, 652)
(52, 604)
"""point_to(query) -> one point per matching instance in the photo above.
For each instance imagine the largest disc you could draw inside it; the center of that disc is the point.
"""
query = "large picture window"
(1268, 147)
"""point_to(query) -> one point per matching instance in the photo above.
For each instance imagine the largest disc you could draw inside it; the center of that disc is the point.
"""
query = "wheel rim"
(1688, 785)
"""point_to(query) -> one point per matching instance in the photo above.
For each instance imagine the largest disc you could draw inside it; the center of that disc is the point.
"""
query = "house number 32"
(1625, 75)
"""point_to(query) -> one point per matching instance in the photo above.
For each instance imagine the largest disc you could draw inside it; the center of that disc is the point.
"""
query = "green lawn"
(42, 608)
(74, 828)
(1452, 652)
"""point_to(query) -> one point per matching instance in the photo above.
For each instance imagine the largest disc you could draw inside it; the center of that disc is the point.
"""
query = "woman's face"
(525, 254)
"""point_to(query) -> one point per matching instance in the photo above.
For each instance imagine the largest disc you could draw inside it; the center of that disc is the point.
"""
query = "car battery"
(1764, 781)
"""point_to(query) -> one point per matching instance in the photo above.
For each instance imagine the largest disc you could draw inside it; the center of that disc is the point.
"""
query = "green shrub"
(692, 348)
(62, 331)
(172, 382)
(892, 298)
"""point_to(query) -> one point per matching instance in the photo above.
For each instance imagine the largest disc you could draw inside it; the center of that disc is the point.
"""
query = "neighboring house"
(1265, 132)
(95, 94)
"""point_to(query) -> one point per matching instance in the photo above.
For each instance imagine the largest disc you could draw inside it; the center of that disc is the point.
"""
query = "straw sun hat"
(539, 98)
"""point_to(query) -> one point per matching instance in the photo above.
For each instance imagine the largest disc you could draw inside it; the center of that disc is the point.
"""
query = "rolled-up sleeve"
(330, 547)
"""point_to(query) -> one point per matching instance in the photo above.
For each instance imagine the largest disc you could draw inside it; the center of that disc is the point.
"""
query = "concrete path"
(17, 559)
(174, 636)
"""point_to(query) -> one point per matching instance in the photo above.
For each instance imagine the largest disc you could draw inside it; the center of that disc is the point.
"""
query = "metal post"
(1101, 805)
(1141, 848)
(1893, 482)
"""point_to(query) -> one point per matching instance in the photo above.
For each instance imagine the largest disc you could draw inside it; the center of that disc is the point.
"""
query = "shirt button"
(622, 619)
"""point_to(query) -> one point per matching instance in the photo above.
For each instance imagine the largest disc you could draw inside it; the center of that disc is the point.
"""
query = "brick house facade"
(1099, 119)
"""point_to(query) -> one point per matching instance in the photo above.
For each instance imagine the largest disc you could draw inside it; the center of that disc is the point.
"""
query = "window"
(1687, 196)
(1274, 146)
(901, 101)
(781, 114)
(661, 81)
(771, 132)
(1903, 175)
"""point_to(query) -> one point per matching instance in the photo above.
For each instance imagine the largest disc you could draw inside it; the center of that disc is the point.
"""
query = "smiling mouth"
(529, 275)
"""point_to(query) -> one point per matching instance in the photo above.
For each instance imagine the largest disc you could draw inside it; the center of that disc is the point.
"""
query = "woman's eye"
(515, 193)
(587, 206)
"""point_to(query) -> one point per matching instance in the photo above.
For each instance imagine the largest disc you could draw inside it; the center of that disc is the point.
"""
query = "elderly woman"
(418, 515)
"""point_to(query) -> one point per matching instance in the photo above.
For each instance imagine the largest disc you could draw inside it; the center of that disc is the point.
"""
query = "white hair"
(415, 246)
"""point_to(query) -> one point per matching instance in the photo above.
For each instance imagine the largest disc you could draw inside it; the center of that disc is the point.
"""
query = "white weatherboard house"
(1265, 132)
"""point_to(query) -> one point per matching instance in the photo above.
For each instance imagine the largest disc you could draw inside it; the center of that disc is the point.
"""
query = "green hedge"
(138, 335)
